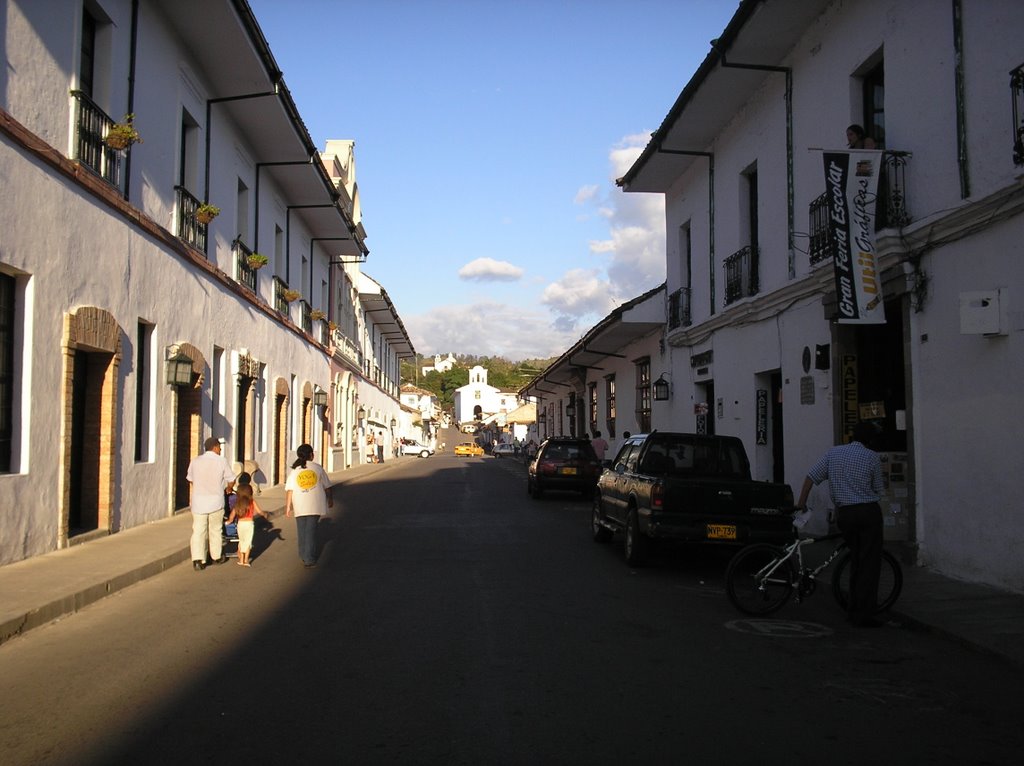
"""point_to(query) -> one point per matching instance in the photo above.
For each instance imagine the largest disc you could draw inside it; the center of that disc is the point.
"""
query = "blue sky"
(488, 137)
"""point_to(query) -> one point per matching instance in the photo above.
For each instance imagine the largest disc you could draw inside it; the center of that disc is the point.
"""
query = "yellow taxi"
(468, 448)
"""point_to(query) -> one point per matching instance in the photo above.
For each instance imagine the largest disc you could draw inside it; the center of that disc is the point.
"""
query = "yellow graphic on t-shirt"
(306, 479)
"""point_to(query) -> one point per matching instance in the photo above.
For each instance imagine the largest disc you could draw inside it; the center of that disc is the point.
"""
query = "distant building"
(441, 364)
(478, 401)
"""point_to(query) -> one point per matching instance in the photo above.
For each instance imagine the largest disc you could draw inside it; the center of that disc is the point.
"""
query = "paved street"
(453, 620)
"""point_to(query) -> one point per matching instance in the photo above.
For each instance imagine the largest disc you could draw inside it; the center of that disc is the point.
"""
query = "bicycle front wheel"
(890, 582)
(758, 581)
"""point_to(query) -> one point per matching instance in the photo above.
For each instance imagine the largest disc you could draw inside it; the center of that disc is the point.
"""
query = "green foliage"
(501, 373)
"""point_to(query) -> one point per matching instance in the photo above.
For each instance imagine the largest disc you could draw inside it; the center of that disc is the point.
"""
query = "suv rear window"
(569, 451)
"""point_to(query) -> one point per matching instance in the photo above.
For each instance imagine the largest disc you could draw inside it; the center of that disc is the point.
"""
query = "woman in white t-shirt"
(307, 496)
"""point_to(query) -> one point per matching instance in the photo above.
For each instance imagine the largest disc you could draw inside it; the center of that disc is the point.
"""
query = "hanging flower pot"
(332, 326)
(206, 213)
(121, 135)
(257, 261)
(291, 295)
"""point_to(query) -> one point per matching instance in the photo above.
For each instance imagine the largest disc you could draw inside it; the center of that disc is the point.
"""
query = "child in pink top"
(244, 513)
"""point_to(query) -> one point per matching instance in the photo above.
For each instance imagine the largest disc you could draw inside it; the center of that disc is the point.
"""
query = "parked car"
(413, 447)
(504, 450)
(689, 487)
(468, 449)
(563, 463)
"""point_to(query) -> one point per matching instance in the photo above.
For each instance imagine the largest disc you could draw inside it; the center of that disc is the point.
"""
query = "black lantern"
(361, 413)
(320, 398)
(394, 423)
(662, 391)
(179, 370)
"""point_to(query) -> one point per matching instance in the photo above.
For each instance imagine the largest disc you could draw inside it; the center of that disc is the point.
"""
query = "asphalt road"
(454, 620)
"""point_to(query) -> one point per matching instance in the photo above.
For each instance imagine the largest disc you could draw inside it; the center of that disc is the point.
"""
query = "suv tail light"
(658, 495)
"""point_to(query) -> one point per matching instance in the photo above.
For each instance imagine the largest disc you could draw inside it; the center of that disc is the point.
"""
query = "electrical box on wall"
(983, 312)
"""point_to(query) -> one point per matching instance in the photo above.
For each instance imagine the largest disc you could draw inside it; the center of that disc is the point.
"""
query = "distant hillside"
(501, 373)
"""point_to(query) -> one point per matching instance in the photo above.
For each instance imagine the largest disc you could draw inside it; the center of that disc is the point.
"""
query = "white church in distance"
(480, 402)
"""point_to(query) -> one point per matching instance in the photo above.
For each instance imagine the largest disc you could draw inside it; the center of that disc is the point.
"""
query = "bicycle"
(760, 578)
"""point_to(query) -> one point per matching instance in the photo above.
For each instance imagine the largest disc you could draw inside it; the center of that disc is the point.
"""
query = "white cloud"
(585, 193)
(490, 270)
(633, 255)
(489, 328)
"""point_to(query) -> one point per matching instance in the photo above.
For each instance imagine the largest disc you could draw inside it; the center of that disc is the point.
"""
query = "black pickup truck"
(687, 487)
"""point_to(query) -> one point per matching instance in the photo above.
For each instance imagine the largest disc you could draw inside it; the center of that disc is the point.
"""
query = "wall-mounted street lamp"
(319, 398)
(361, 413)
(179, 370)
(394, 424)
(662, 388)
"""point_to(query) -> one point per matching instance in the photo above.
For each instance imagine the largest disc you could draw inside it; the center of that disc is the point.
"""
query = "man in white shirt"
(211, 477)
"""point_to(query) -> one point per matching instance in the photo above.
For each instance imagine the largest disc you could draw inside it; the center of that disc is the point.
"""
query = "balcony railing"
(347, 348)
(245, 274)
(741, 278)
(679, 308)
(304, 313)
(189, 227)
(280, 304)
(820, 248)
(91, 126)
(325, 333)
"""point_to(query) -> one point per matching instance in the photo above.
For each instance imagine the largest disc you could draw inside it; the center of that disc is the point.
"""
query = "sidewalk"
(44, 588)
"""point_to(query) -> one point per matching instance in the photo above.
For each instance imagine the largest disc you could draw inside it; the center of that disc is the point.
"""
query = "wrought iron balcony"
(820, 248)
(325, 333)
(679, 308)
(279, 300)
(245, 274)
(348, 349)
(189, 227)
(91, 126)
(304, 313)
(741, 279)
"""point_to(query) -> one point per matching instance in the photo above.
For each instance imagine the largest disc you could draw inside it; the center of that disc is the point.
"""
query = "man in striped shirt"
(854, 474)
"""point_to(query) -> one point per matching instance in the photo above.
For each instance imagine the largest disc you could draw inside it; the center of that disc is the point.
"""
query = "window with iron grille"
(741, 278)
(609, 405)
(592, 400)
(820, 248)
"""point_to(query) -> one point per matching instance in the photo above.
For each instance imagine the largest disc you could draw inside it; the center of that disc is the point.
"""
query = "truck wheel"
(634, 542)
(601, 533)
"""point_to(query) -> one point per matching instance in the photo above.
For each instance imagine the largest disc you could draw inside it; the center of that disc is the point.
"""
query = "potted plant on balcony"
(332, 326)
(291, 295)
(317, 314)
(206, 213)
(121, 135)
(257, 260)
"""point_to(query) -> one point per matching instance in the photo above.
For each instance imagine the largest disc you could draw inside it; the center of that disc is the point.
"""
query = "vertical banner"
(851, 223)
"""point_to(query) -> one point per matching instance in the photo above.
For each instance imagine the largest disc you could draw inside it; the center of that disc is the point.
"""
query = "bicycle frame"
(803, 573)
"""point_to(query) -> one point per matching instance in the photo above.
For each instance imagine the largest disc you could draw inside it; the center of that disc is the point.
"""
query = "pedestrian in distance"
(307, 496)
(854, 474)
(600, 445)
(211, 478)
(244, 513)
(379, 444)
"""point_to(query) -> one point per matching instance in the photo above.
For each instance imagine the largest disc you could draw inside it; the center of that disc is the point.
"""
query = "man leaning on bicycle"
(854, 474)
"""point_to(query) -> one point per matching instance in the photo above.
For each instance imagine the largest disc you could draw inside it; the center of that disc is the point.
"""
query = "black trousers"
(861, 526)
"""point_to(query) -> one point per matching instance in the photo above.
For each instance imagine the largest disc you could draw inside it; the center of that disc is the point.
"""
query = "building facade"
(145, 325)
(755, 337)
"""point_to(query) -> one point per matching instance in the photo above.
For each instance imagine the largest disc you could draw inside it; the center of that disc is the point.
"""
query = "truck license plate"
(721, 531)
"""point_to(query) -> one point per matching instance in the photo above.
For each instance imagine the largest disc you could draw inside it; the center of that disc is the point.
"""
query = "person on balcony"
(856, 138)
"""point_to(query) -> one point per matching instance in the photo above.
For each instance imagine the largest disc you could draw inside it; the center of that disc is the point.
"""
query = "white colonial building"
(750, 344)
(479, 402)
(133, 326)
